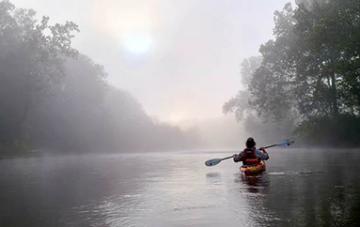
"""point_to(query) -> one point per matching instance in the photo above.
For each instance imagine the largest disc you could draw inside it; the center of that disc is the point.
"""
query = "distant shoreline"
(46, 152)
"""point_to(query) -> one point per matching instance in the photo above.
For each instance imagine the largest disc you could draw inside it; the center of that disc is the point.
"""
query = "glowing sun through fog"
(137, 43)
(130, 23)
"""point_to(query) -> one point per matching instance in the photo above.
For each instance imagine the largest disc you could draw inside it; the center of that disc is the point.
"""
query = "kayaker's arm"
(262, 154)
(238, 157)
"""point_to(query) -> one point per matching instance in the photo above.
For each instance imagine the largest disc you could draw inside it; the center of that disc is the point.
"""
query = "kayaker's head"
(250, 142)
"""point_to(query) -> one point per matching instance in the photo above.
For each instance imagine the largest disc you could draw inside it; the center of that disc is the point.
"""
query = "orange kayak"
(253, 170)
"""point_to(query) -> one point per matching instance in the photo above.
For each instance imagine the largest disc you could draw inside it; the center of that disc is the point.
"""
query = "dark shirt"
(260, 154)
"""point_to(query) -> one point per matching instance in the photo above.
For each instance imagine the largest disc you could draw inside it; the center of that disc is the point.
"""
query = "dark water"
(299, 188)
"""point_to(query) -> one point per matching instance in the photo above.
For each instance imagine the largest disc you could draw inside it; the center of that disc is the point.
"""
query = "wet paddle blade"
(287, 143)
(213, 162)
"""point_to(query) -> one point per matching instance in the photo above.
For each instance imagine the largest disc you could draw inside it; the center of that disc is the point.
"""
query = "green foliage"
(310, 71)
(256, 123)
(313, 63)
(342, 130)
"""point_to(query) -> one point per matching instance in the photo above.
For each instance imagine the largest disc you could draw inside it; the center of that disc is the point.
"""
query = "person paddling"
(251, 156)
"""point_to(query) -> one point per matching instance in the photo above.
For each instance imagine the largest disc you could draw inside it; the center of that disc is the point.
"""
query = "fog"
(167, 57)
(119, 75)
(188, 65)
(110, 109)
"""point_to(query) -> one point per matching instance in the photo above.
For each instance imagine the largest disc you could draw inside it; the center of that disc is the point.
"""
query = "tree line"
(52, 96)
(307, 79)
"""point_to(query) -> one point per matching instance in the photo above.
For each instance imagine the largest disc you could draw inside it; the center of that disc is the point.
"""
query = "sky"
(179, 58)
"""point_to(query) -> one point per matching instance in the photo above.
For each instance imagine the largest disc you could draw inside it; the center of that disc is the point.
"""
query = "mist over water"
(110, 108)
(299, 188)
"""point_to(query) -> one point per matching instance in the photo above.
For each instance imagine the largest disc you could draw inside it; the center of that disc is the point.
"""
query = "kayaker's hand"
(263, 149)
(236, 157)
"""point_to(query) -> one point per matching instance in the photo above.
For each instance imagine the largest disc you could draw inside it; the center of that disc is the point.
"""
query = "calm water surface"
(299, 188)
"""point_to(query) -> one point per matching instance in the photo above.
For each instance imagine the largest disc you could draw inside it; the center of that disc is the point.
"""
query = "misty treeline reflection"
(52, 96)
(307, 78)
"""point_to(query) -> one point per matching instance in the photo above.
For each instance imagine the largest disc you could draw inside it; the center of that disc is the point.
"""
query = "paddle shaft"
(272, 145)
(279, 144)
(227, 157)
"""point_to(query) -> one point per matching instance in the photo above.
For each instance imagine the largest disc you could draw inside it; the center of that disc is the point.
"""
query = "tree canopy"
(310, 70)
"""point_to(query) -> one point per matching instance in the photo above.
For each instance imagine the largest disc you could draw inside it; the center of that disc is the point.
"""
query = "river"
(300, 188)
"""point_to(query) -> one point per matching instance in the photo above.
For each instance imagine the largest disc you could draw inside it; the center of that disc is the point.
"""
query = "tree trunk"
(334, 103)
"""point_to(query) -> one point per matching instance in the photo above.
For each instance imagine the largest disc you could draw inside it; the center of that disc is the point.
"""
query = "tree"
(256, 123)
(53, 97)
(31, 61)
(312, 65)
(310, 70)
(240, 104)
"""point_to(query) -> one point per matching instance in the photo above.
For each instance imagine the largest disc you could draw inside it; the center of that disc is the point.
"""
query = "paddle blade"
(213, 162)
(287, 143)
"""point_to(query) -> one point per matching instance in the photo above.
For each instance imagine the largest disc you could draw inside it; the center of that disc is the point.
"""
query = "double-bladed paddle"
(216, 161)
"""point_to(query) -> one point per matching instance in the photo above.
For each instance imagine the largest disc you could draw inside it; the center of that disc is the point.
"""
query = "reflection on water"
(299, 188)
(214, 178)
(254, 183)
